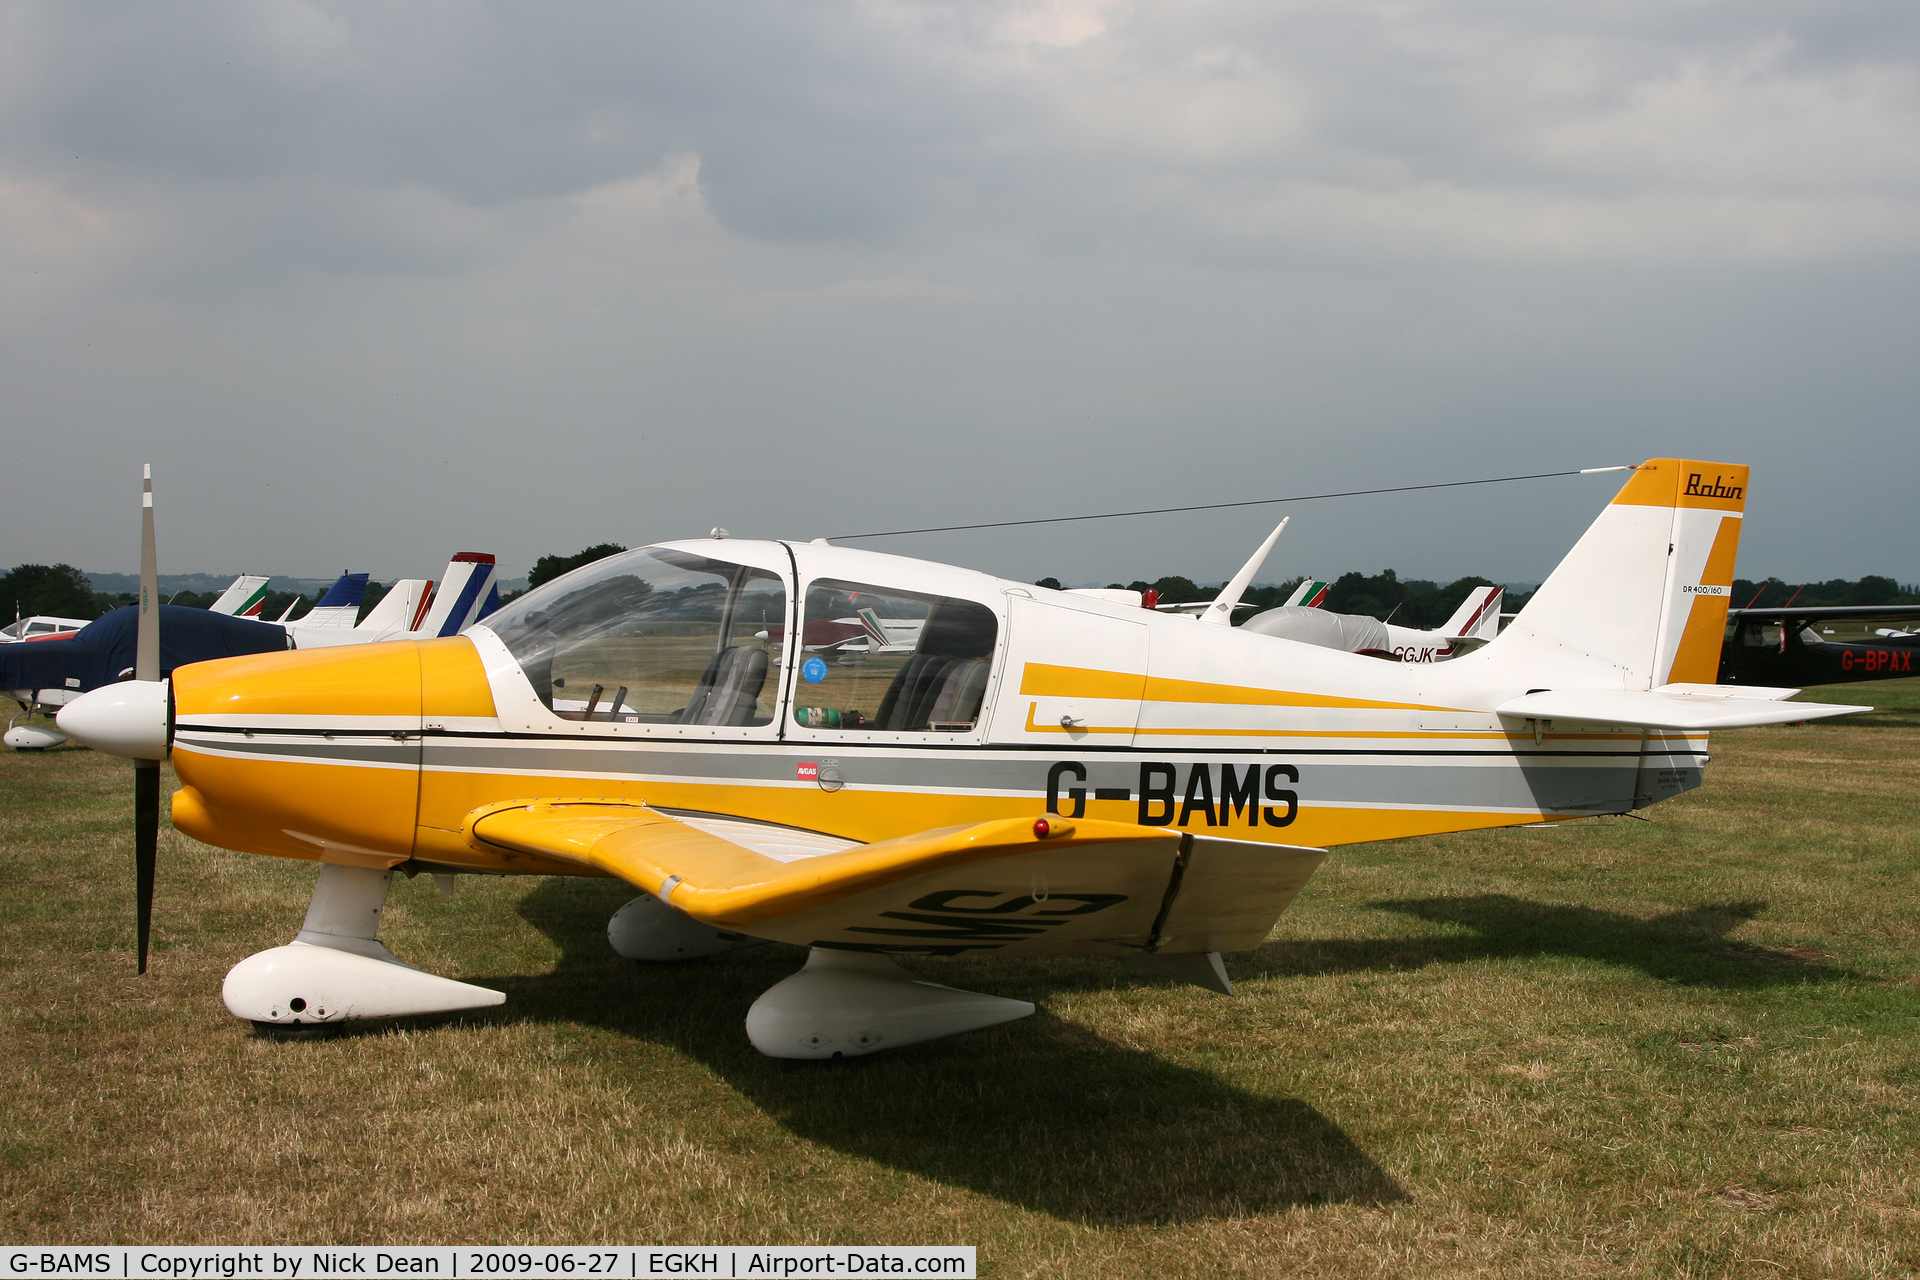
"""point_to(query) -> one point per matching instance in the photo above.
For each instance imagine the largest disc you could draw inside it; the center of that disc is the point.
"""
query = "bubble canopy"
(661, 635)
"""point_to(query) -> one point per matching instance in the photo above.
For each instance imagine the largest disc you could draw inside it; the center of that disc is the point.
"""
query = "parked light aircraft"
(242, 598)
(1473, 624)
(101, 652)
(1301, 618)
(1045, 773)
(1765, 645)
(22, 734)
(39, 626)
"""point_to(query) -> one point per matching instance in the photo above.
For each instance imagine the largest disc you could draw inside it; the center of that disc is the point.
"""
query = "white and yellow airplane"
(1043, 773)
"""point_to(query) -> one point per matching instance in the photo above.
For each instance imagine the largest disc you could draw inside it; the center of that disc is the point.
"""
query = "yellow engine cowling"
(316, 754)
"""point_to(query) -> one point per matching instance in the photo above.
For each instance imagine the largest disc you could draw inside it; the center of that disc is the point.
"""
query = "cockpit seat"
(933, 688)
(730, 691)
(962, 687)
(910, 696)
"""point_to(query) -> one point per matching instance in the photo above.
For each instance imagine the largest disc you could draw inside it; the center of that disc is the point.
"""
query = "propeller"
(146, 773)
(131, 718)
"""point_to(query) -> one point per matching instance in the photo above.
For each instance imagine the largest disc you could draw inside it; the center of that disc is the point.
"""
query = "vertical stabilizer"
(1310, 594)
(243, 599)
(340, 607)
(404, 602)
(462, 591)
(1478, 617)
(1641, 600)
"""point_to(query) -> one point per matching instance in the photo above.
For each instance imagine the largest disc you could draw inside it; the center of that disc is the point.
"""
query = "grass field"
(1688, 1046)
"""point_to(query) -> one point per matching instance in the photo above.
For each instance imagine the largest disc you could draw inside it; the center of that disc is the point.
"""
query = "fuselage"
(1768, 653)
(1016, 700)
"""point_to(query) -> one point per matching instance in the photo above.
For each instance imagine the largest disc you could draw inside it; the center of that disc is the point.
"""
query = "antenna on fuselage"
(1220, 612)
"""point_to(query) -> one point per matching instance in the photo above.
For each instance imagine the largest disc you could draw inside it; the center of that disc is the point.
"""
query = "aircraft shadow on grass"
(1039, 1112)
(1047, 1115)
(1689, 947)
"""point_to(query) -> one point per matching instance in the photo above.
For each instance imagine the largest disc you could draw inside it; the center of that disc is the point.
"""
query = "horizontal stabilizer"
(1667, 710)
(328, 617)
(1765, 693)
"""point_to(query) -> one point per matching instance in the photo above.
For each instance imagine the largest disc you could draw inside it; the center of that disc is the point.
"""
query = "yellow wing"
(1081, 887)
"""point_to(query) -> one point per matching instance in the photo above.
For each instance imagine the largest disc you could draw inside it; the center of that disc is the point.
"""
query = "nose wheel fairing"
(841, 1004)
(336, 970)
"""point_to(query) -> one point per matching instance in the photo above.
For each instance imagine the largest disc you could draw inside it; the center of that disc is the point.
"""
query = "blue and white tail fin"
(339, 609)
(463, 593)
(242, 599)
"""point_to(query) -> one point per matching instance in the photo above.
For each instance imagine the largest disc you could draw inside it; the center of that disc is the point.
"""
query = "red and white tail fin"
(1641, 600)
(401, 609)
(1478, 617)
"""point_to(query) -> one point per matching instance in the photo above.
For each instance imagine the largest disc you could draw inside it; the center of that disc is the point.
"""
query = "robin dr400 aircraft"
(1039, 773)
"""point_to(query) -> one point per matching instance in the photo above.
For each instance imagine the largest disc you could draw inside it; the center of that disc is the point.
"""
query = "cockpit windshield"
(655, 636)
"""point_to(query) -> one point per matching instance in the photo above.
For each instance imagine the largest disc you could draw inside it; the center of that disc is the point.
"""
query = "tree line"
(64, 591)
(1417, 602)
(1411, 602)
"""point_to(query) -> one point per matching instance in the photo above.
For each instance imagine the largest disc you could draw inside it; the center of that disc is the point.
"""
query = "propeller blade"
(1220, 612)
(146, 843)
(146, 773)
(146, 650)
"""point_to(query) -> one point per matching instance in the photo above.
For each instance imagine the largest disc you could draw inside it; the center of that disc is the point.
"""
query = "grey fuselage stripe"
(1446, 779)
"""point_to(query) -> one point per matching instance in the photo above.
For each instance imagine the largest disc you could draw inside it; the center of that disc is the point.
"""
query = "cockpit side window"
(655, 636)
(878, 659)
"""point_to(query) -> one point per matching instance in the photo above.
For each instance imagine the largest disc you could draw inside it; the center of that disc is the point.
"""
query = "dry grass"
(1678, 1047)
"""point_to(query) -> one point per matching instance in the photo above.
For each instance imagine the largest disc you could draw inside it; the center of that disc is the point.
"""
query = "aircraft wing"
(1002, 886)
(1663, 709)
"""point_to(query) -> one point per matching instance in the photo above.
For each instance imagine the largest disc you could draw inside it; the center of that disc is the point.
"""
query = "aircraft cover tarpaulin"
(1348, 631)
(96, 654)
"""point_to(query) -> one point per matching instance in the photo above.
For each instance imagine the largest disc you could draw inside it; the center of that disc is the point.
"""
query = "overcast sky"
(373, 283)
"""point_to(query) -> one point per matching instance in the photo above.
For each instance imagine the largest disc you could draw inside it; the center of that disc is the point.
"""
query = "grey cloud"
(541, 276)
(863, 125)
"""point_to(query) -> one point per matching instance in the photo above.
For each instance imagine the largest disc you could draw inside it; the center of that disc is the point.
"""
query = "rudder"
(1645, 591)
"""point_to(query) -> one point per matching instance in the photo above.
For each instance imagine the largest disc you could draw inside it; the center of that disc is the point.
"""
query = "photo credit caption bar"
(468, 1262)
